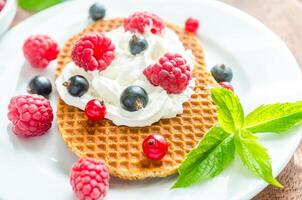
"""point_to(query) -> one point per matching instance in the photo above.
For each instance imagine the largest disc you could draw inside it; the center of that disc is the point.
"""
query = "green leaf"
(230, 112)
(211, 140)
(255, 156)
(274, 117)
(209, 159)
(36, 5)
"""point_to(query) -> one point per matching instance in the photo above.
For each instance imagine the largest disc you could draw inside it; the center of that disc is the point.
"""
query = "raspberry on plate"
(2, 4)
(89, 179)
(94, 51)
(172, 73)
(39, 50)
(138, 21)
(31, 115)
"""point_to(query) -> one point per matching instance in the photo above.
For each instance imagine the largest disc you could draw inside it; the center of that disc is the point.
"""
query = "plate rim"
(217, 3)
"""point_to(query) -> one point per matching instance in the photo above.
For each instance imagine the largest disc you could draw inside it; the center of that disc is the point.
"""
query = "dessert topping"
(172, 73)
(95, 110)
(139, 21)
(31, 115)
(39, 50)
(94, 51)
(192, 25)
(89, 179)
(222, 73)
(155, 147)
(137, 45)
(77, 85)
(97, 11)
(40, 85)
(134, 98)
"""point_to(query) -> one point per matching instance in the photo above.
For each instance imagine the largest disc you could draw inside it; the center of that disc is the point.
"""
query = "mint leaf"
(36, 5)
(211, 140)
(230, 112)
(204, 164)
(254, 156)
(274, 117)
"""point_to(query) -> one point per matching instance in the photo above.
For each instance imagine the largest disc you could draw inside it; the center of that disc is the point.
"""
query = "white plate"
(264, 71)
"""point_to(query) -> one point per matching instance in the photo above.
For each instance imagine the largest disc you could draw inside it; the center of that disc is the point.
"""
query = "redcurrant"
(155, 147)
(95, 110)
(192, 25)
(226, 85)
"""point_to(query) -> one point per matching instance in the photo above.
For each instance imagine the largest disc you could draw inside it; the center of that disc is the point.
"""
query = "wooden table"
(284, 17)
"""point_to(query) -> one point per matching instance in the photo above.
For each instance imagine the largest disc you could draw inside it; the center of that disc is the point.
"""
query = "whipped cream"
(127, 70)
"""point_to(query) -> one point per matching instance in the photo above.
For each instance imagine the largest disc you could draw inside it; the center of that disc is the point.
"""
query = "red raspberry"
(2, 4)
(39, 50)
(94, 51)
(192, 25)
(171, 73)
(31, 115)
(139, 20)
(89, 179)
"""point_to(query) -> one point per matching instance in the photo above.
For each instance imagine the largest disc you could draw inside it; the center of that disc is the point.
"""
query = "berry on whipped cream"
(94, 51)
(127, 70)
(140, 22)
(172, 73)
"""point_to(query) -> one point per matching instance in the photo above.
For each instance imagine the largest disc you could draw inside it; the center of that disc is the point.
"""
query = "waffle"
(120, 146)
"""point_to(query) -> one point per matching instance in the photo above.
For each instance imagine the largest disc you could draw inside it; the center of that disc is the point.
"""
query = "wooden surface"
(284, 17)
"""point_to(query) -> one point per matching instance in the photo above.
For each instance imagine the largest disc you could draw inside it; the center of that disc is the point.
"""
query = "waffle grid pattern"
(120, 146)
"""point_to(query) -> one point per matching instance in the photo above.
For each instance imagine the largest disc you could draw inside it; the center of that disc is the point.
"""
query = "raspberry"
(31, 115)
(192, 25)
(2, 4)
(139, 20)
(94, 51)
(89, 179)
(39, 50)
(171, 73)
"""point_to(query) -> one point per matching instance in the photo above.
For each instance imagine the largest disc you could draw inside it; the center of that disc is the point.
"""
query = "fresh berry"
(39, 50)
(226, 85)
(222, 73)
(138, 22)
(192, 25)
(77, 85)
(2, 4)
(40, 85)
(97, 11)
(172, 73)
(95, 110)
(134, 98)
(94, 51)
(137, 45)
(155, 147)
(31, 115)
(89, 179)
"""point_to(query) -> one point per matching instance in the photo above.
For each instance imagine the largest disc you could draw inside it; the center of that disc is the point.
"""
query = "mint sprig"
(275, 118)
(36, 5)
(255, 156)
(235, 134)
(230, 112)
(217, 152)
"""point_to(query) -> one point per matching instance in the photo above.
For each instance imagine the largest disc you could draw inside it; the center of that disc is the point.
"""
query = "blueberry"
(222, 73)
(77, 85)
(134, 98)
(137, 45)
(97, 11)
(40, 85)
